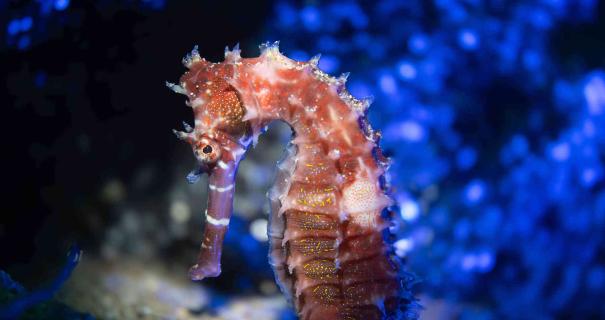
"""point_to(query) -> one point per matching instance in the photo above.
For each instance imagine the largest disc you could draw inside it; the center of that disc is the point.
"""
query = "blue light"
(588, 128)
(516, 149)
(479, 262)
(329, 63)
(388, 84)
(407, 71)
(462, 229)
(361, 40)
(519, 145)
(418, 43)
(485, 261)
(540, 19)
(468, 39)
(46, 6)
(13, 27)
(350, 11)
(468, 262)
(61, 5)
(311, 18)
(564, 93)
(156, 4)
(560, 152)
(411, 131)
(26, 23)
(466, 158)
(23, 42)
(474, 192)
(409, 210)
(594, 93)
(596, 278)
(328, 44)
(488, 222)
(589, 177)
(286, 14)
(531, 60)
(359, 89)
(299, 56)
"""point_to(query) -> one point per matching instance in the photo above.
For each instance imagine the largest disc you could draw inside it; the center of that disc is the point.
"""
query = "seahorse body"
(328, 218)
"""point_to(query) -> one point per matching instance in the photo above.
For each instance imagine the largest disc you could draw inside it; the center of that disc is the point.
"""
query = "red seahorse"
(328, 219)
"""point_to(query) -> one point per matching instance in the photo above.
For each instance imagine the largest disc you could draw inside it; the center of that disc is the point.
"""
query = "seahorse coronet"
(326, 225)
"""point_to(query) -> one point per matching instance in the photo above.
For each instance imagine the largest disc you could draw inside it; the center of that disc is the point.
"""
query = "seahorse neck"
(315, 105)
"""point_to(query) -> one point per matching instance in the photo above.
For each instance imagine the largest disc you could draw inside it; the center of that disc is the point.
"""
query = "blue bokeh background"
(494, 114)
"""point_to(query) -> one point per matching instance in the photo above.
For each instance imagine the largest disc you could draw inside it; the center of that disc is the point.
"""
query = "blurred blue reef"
(498, 143)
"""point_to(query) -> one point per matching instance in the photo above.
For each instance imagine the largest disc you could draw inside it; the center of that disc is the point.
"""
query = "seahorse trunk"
(328, 202)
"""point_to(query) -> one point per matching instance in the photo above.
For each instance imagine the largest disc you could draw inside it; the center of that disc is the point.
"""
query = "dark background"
(88, 102)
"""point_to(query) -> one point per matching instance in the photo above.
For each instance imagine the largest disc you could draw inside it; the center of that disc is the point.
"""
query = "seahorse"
(329, 206)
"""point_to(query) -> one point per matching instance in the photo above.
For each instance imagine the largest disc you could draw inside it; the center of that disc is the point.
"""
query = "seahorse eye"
(207, 151)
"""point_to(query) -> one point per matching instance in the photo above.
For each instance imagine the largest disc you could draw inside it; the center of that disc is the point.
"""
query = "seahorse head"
(219, 140)
(220, 132)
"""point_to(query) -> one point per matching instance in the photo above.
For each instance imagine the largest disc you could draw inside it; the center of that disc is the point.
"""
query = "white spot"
(258, 229)
(409, 210)
(403, 246)
(263, 92)
(222, 164)
(217, 222)
(361, 196)
(77, 256)
(180, 211)
(334, 154)
(220, 189)
(293, 100)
